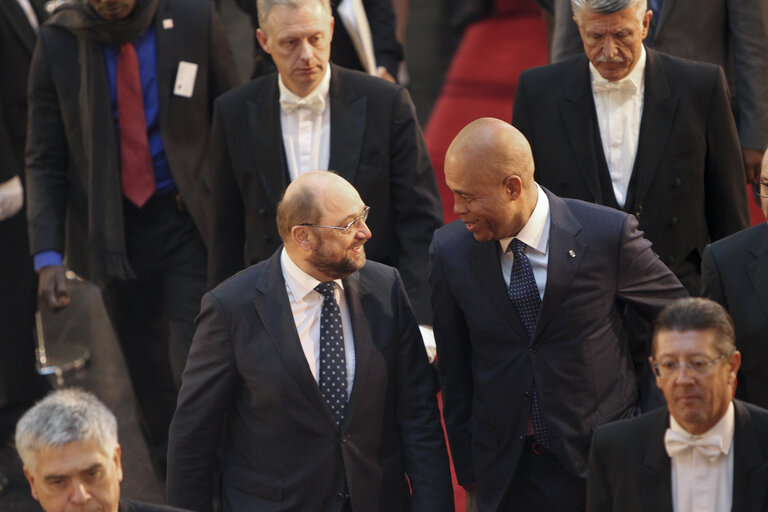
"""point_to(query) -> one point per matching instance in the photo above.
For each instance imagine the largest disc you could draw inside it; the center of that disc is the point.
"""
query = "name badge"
(185, 79)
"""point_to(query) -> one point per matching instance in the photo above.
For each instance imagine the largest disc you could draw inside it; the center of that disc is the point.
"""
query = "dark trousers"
(153, 315)
(541, 483)
(20, 384)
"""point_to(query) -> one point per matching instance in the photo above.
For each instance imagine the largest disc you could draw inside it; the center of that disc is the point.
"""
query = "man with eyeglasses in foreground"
(313, 361)
(705, 451)
(735, 274)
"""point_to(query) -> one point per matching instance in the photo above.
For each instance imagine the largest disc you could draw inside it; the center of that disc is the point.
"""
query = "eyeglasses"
(699, 366)
(356, 222)
(760, 187)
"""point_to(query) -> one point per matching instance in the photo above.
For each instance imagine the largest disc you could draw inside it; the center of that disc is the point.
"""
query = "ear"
(301, 237)
(734, 362)
(647, 22)
(261, 36)
(31, 480)
(333, 22)
(116, 458)
(513, 187)
(658, 380)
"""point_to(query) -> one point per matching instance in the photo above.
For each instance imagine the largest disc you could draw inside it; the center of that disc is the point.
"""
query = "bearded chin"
(336, 269)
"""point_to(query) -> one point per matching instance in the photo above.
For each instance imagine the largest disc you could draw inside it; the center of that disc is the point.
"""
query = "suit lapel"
(656, 471)
(577, 113)
(267, 144)
(659, 107)
(348, 117)
(566, 252)
(757, 270)
(164, 44)
(750, 469)
(19, 24)
(274, 311)
(484, 259)
(364, 346)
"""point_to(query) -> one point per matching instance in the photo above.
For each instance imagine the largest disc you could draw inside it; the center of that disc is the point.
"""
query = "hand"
(382, 72)
(11, 197)
(52, 291)
(752, 161)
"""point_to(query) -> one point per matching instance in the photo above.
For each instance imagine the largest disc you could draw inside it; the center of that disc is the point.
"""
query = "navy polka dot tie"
(333, 364)
(524, 294)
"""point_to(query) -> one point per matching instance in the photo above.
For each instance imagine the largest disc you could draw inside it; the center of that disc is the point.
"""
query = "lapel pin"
(571, 253)
(168, 23)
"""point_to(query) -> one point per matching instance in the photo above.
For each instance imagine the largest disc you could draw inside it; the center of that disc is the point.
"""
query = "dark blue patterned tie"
(333, 364)
(524, 295)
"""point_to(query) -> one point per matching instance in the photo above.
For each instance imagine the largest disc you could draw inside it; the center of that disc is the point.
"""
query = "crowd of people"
(269, 253)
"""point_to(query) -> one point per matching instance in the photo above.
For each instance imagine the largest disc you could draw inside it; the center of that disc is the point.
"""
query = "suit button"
(677, 182)
(527, 395)
(345, 438)
(340, 496)
(674, 221)
(639, 209)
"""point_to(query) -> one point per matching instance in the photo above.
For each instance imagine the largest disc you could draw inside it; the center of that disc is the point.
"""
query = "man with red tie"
(705, 450)
(121, 95)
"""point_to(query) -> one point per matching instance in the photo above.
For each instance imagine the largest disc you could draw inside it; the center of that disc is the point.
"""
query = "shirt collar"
(298, 282)
(723, 428)
(319, 93)
(635, 76)
(535, 233)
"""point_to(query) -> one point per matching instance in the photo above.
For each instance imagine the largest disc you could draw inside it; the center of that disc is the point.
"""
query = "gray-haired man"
(68, 444)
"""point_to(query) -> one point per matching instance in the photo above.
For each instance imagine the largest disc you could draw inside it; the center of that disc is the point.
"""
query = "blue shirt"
(147, 57)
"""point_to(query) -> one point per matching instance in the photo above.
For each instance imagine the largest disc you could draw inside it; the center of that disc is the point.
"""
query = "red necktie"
(137, 172)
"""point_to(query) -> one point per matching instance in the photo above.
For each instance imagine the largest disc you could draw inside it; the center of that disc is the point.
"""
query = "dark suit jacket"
(376, 144)
(687, 185)
(730, 33)
(735, 274)
(282, 449)
(18, 284)
(55, 154)
(127, 505)
(630, 471)
(578, 356)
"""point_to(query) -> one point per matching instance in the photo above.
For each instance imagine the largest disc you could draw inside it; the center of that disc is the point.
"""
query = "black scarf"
(106, 232)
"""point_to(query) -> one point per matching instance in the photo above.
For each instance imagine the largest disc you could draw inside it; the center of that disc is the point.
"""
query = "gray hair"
(264, 6)
(608, 6)
(64, 416)
(697, 314)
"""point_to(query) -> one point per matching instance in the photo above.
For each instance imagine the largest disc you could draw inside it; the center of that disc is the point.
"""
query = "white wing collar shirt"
(535, 234)
(702, 466)
(306, 306)
(619, 107)
(306, 127)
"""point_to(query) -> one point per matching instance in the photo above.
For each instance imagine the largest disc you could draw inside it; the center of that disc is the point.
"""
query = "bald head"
(491, 146)
(489, 169)
(300, 204)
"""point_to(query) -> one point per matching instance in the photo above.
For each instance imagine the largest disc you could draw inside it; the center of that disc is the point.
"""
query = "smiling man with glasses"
(705, 451)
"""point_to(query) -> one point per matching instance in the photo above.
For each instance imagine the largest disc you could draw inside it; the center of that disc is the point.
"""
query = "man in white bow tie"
(705, 451)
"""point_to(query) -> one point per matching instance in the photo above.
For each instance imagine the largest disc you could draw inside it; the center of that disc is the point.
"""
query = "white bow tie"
(603, 86)
(315, 103)
(710, 447)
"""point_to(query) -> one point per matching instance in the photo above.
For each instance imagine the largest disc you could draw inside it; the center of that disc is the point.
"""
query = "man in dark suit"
(19, 383)
(735, 274)
(312, 419)
(628, 127)
(532, 348)
(68, 445)
(312, 115)
(704, 451)
(730, 33)
(121, 96)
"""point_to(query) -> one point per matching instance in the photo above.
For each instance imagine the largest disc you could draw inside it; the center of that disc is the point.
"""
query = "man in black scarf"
(121, 95)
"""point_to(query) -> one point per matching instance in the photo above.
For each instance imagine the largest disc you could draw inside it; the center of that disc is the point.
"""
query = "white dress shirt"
(698, 483)
(535, 234)
(30, 13)
(306, 133)
(619, 107)
(306, 306)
